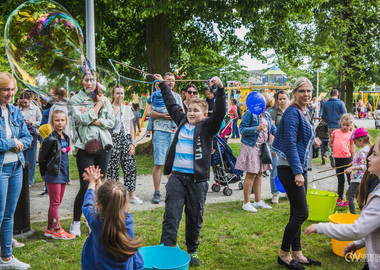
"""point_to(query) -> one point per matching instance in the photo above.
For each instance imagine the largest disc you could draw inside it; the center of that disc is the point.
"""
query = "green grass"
(230, 239)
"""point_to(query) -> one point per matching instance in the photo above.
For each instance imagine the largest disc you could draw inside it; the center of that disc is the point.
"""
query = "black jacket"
(203, 133)
(49, 158)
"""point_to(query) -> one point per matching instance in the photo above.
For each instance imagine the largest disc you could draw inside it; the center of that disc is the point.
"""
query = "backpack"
(239, 112)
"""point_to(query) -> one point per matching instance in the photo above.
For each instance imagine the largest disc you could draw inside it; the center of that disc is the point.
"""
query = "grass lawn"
(230, 239)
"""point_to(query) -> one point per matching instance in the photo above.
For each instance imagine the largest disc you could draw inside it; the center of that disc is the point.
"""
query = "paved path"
(144, 190)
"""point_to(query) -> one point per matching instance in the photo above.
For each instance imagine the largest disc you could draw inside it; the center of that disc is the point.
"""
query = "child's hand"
(92, 174)
(317, 142)
(311, 229)
(299, 179)
(260, 127)
(348, 170)
(350, 248)
(157, 77)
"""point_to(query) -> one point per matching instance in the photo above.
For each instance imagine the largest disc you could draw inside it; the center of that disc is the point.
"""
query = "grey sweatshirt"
(365, 231)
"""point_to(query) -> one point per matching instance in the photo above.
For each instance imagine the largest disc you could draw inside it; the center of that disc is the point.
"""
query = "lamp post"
(90, 33)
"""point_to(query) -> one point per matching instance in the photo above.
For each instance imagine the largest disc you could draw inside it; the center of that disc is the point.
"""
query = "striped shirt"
(184, 156)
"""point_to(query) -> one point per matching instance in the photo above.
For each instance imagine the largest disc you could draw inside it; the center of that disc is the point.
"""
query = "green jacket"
(83, 121)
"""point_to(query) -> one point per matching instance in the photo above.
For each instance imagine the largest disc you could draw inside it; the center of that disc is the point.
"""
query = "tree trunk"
(157, 44)
(348, 90)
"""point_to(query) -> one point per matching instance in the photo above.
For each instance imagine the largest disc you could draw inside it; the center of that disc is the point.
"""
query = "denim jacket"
(248, 127)
(19, 130)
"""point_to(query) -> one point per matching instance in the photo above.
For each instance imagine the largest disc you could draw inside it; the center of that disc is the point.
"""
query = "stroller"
(227, 129)
(223, 165)
(376, 116)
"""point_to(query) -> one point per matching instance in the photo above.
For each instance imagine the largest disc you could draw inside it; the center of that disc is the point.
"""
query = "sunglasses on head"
(192, 93)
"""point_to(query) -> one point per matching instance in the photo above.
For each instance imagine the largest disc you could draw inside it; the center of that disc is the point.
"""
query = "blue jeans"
(31, 157)
(235, 129)
(10, 188)
(273, 174)
(161, 143)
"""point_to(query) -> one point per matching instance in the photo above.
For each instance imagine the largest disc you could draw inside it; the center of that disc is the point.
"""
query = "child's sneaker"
(135, 200)
(13, 264)
(343, 204)
(61, 234)
(75, 228)
(249, 207)
(339, 201)
(49, 233)
(275, 198)
(17, 244)
(194, 259)
(262, 205)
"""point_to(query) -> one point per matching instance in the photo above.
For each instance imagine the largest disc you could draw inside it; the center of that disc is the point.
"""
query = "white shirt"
(126, 117)
(9, 156)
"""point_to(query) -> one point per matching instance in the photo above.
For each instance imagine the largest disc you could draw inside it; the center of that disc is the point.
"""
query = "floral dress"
(249, 159)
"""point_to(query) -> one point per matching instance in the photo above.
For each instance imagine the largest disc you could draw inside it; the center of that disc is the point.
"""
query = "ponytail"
(112, 197)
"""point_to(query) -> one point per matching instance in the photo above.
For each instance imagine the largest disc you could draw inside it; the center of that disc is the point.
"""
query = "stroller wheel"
(227, 191)
(215, 188)
(240, 185)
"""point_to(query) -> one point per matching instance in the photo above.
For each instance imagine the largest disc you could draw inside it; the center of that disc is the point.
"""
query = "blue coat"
(248, 127)
(94, 254)
(294, 138)
(19, 130)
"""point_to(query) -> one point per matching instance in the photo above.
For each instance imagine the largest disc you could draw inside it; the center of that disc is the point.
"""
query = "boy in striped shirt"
(188, 162)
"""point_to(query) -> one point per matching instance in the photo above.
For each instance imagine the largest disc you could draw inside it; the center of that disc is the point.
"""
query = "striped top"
(184, 152)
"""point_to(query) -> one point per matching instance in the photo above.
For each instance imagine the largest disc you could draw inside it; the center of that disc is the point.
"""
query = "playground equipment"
(247, 89)
(365, 97)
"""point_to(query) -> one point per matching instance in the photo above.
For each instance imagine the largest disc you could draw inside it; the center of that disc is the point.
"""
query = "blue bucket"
(164, 258)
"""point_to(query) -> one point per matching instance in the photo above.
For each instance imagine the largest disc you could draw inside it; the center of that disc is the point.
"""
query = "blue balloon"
(256, 103)
(278, 185)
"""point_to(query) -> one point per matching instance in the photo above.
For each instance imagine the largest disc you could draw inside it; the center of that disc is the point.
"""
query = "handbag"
(93, 146)
(266, 156)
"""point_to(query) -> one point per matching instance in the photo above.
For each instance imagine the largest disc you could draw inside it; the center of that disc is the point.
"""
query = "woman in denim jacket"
(255, 131)
(14, 138)
(292, 143)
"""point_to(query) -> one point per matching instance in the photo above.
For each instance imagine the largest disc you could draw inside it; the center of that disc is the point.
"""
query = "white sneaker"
(249, 207)
(135, 200)
(262, 205)
(75, 229)
(275, 198)
(13, 264)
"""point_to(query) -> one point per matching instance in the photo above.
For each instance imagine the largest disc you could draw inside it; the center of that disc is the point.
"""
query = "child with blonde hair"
(54, 168)
(343, 151)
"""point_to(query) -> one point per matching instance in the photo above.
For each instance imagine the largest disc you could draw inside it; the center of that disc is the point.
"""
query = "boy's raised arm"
(215, 120)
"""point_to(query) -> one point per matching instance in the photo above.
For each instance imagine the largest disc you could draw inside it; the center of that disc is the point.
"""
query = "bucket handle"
(327, 195)
(162, 245)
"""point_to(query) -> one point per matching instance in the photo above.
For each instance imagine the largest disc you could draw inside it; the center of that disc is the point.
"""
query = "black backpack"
(239, 112)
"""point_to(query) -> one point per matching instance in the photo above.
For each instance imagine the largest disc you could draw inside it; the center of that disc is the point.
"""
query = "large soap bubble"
(44, 45)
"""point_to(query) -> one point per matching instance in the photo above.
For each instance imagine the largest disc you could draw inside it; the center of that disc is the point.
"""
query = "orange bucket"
(338, 246)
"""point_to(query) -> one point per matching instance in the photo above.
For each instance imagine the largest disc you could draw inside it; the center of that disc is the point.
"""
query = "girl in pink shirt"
(342, 150)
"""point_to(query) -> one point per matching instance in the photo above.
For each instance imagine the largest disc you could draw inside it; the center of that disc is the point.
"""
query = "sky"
(249, 62)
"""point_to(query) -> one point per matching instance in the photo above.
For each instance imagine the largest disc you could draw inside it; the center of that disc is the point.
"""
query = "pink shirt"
(232, 111)
(341, 143)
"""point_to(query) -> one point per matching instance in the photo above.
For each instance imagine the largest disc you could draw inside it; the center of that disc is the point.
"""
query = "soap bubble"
(44, 45)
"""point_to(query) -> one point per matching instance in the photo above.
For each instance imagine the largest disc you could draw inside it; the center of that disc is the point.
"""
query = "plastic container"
(164, 258)
(338, 246)
(321, 204)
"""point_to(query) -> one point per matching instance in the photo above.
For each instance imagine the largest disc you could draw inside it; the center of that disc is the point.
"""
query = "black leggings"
(338, 163)
(298, 208)
(85, 160)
